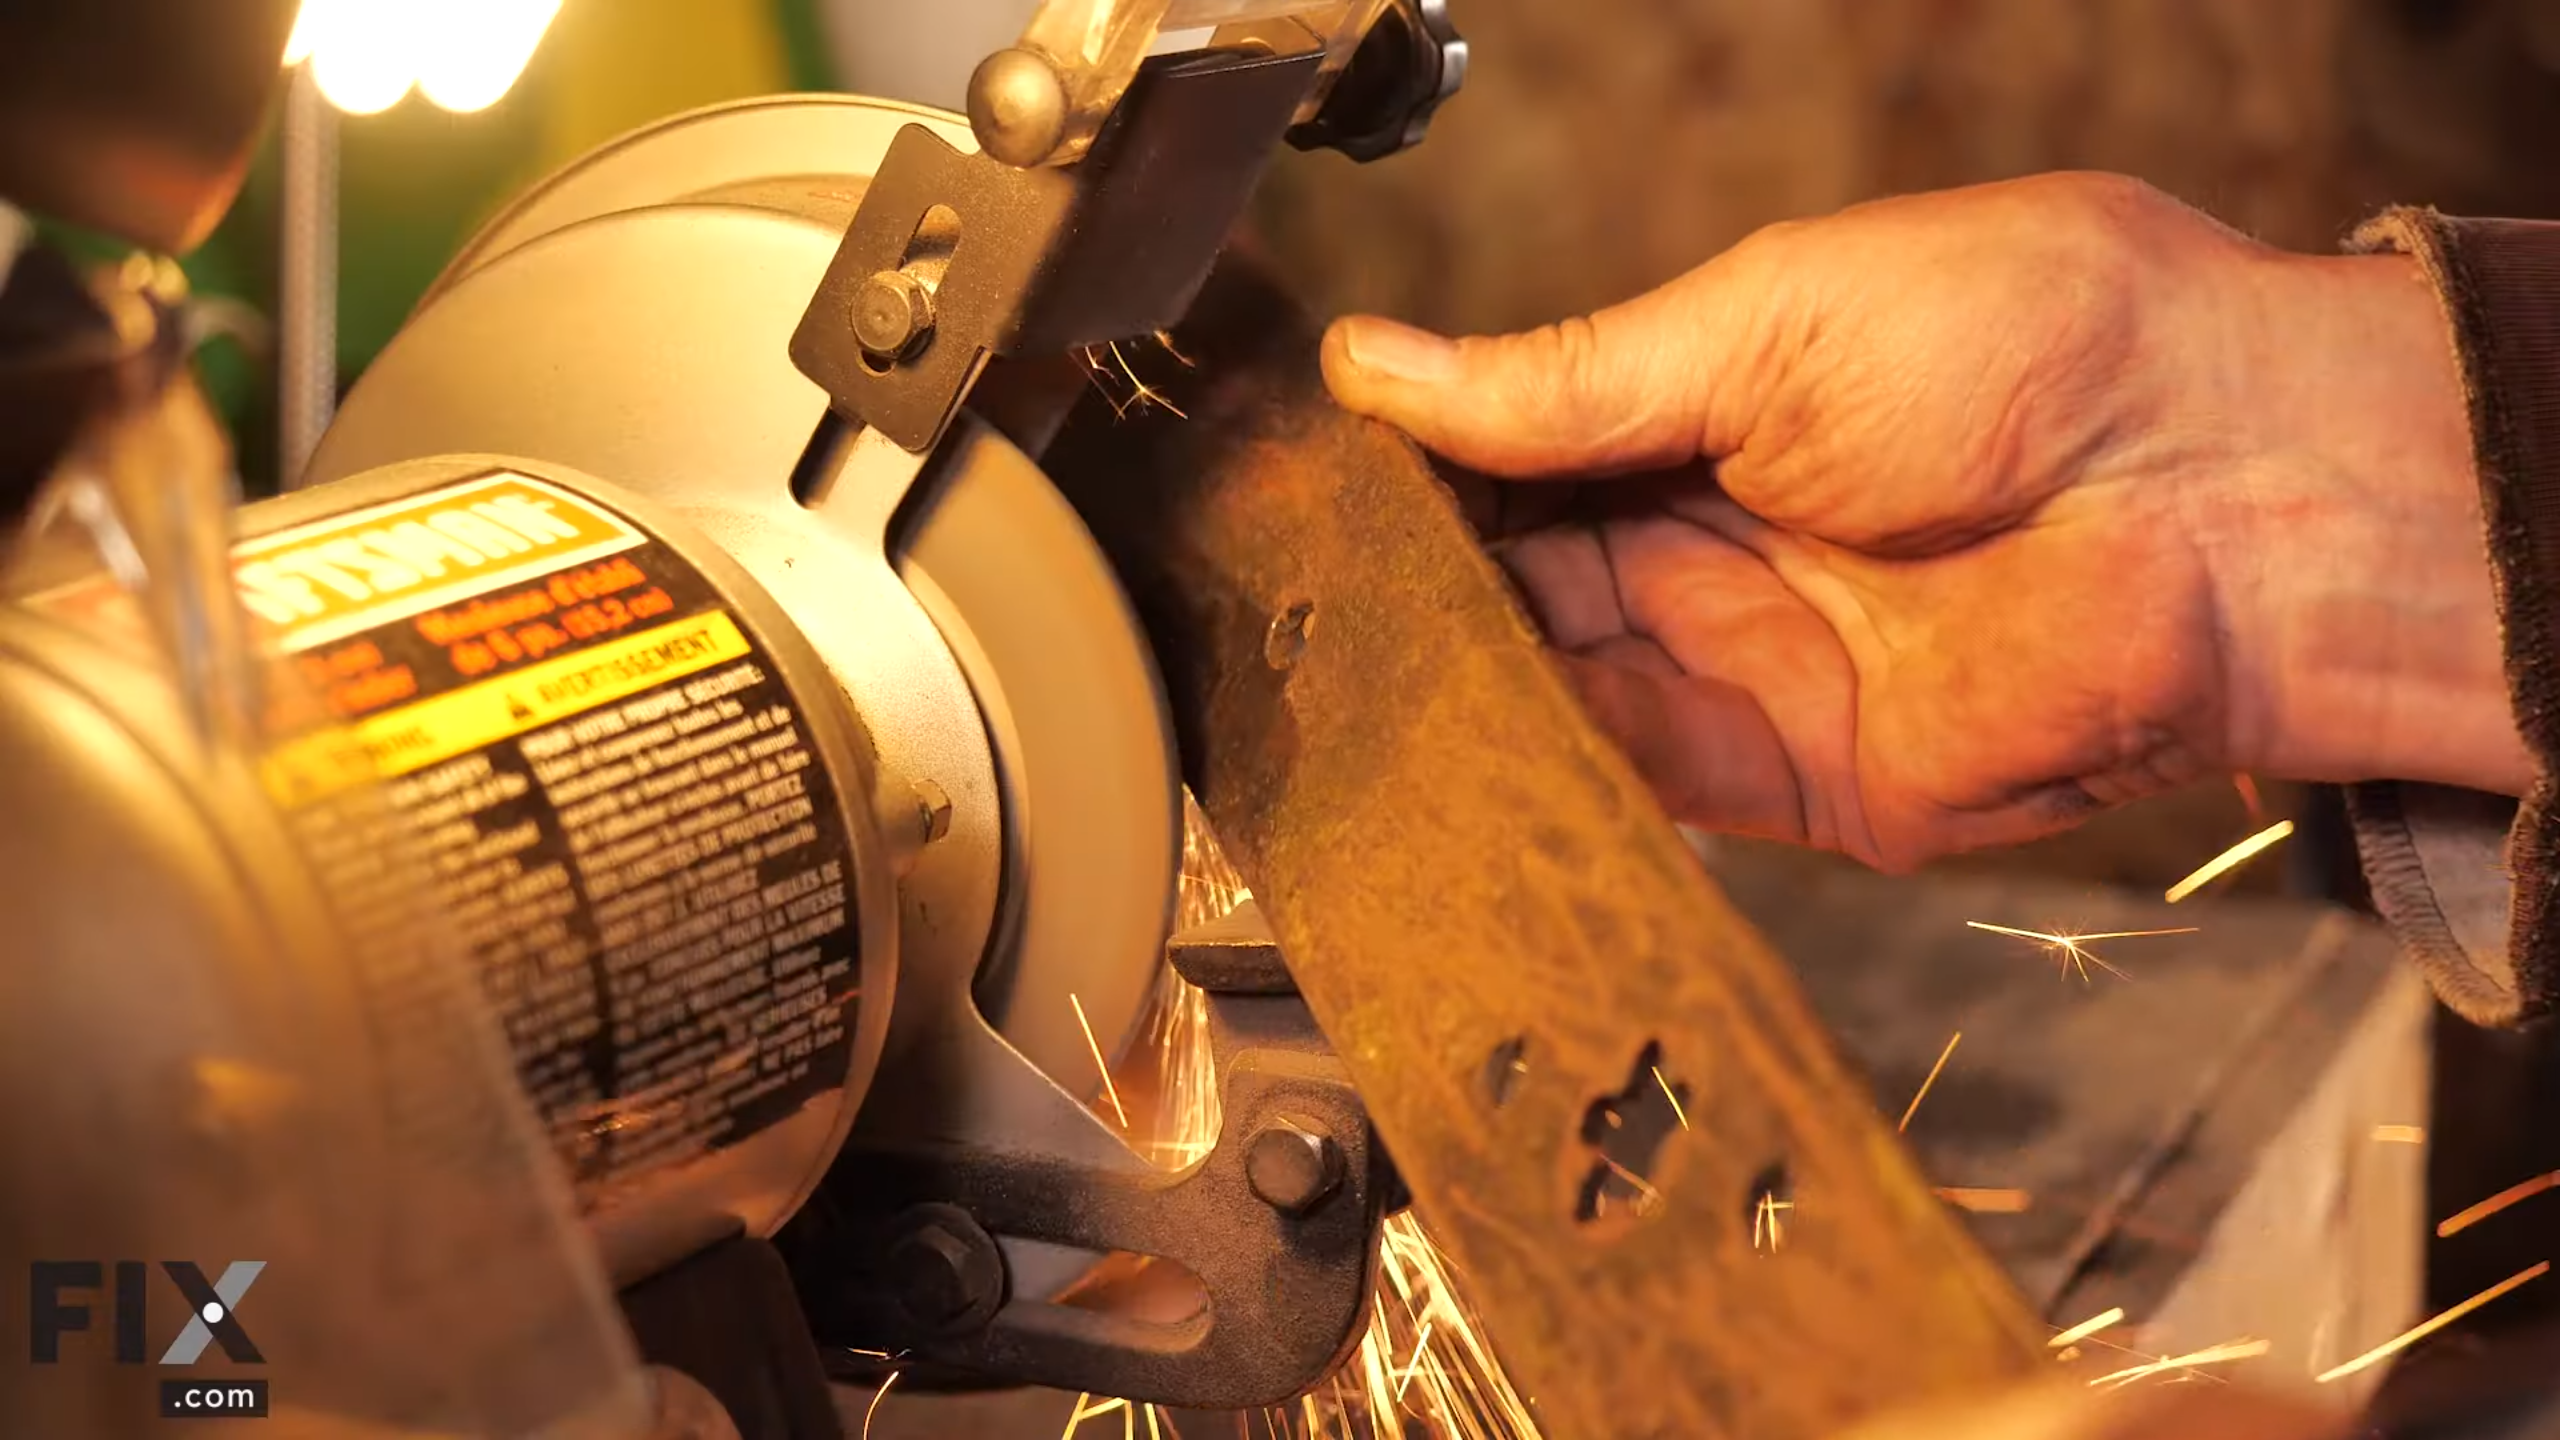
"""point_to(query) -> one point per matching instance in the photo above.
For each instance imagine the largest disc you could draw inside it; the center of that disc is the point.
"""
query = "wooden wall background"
(1605, 145)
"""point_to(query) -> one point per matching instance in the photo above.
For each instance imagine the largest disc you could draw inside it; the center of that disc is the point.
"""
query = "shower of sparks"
(1987, 1202)
(1187, 1114)
(2104, 1319)
(1914, 1107)
(2425, 1328)
(1668, 1094)
(2400, 1134)
(1423, 1363)
(1141, 394)
(2071, 950)
(876, 1397)
(1768, 1228)
(1424, 1356)
(2211, 1355)
(1110, 1091)
(2228, 861)
(2464, 1219)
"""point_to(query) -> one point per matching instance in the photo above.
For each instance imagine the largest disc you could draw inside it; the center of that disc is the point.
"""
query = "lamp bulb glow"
(366, 55)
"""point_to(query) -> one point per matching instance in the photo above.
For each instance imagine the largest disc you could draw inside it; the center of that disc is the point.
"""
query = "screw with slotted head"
(891, 313)
(1293, 1165)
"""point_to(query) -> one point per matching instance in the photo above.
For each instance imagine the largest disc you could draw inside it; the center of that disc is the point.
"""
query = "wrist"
(2360, 612)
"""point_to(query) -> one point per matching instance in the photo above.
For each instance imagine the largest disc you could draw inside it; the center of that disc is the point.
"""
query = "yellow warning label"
(351, 572)
(413, 737)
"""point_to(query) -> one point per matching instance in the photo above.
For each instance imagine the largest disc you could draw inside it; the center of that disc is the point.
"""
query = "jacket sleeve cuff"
(2472, 883)
(2435, 859)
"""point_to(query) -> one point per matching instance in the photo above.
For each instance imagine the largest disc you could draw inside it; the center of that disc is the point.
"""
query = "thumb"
(1624, 389)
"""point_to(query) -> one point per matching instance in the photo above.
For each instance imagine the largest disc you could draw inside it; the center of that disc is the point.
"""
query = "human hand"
(1969, 514)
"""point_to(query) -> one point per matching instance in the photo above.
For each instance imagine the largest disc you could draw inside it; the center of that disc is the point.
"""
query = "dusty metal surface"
(1518, 957)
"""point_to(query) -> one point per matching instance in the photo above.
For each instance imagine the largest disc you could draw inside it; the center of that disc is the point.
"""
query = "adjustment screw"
(1293, 1165)
(891, 312)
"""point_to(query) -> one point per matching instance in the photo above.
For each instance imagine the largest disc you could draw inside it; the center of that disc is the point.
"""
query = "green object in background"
(416, 181)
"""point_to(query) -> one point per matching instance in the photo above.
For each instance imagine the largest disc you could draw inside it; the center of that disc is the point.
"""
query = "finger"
(1564, 575)
(1725, 615)
(1636, 653)
(1497, 510)
(1705, 747)
(1627, 388)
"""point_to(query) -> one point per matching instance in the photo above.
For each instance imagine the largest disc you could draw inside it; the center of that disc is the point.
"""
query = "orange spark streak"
(1088, 1408)
(2248, 788)
(1667, 1094)
(2211, 1355)
(1140, 392)
(1645, 1193)
(1108, 1089)
(1914, 1107)
(1987, 1202)
(1766, 1225)
(2071, 948)
(2524, 1190)
(2400, 1134)
(2086, 1328)
(1421, 1345)
(2425, 1328)
(876, 1397)
(2228, 861)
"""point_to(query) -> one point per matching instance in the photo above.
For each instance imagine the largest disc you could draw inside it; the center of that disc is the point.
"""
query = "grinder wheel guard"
(630, 317)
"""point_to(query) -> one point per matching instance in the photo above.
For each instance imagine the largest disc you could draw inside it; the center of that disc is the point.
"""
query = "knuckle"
(1549, 371)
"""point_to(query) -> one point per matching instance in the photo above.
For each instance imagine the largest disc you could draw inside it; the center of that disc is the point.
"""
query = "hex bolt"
(1293, 1165)
(933, 812)
(928, 1269)
(943, 1271)
(891, 313)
